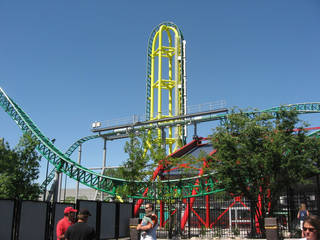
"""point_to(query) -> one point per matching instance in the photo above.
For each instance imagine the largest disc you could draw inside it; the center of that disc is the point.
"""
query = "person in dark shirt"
(81, 230)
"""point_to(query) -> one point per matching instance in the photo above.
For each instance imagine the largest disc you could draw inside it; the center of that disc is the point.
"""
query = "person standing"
(65, 222)
(149, 224)
(81, 230)
(302, 214)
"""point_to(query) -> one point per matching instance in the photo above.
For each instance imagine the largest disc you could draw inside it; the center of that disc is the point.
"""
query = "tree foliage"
(260, 156)
(19, 168)
(144, 152)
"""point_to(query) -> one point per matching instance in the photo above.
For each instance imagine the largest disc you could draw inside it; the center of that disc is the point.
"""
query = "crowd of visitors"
(75, 227)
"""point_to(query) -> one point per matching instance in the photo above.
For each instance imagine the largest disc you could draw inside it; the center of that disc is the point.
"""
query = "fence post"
(291, 209)
(317, 195)
(134, 233)
(253, 232)
(271, 228)
(189, 218)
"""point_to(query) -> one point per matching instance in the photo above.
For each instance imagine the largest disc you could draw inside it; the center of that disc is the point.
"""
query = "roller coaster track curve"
(63, 163)
(68, 153)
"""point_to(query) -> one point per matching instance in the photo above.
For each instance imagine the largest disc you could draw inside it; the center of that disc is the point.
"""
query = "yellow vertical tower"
(166, 81)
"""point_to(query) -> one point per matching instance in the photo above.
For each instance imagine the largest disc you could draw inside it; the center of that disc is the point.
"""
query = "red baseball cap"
(69, 210)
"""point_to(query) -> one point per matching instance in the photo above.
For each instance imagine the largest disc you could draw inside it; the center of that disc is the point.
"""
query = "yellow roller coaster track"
(166, 81)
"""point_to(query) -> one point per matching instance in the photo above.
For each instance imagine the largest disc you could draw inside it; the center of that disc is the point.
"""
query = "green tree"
(144, 152)
(19, 168)
(137, 166)
(260, 155)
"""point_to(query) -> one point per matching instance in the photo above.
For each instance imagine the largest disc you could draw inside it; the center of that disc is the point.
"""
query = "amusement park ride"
(166, 91)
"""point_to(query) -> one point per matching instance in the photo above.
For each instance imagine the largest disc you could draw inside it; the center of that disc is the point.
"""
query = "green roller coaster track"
(68, 153)
(315, 134)
(61, 161)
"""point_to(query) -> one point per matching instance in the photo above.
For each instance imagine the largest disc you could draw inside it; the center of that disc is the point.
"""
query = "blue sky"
(69, 63)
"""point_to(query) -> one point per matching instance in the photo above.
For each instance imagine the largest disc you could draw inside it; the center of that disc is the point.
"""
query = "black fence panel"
(107, 220)
(125, 213)
(7, 209)
(33, 220)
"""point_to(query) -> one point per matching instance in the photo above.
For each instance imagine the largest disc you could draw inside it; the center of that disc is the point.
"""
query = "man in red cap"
(65, 222)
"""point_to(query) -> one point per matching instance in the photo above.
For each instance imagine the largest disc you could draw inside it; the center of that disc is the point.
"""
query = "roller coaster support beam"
(190, 204)
(48, 179)
(45, 182)
(57, 187)
(104, 161)
(54, 190)
(79, 162)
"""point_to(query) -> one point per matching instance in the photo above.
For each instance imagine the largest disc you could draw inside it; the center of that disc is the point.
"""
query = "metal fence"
(206, 217)
(222, 216)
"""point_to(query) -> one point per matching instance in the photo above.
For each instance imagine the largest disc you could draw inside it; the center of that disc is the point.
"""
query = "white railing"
(204, 107)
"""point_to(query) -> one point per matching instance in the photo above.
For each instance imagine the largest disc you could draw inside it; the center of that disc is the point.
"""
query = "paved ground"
(236, 238)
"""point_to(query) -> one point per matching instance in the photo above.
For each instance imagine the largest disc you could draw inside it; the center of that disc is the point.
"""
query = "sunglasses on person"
(310, 229)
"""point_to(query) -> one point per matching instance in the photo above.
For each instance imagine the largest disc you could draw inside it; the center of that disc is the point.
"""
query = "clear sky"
(69, 63)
